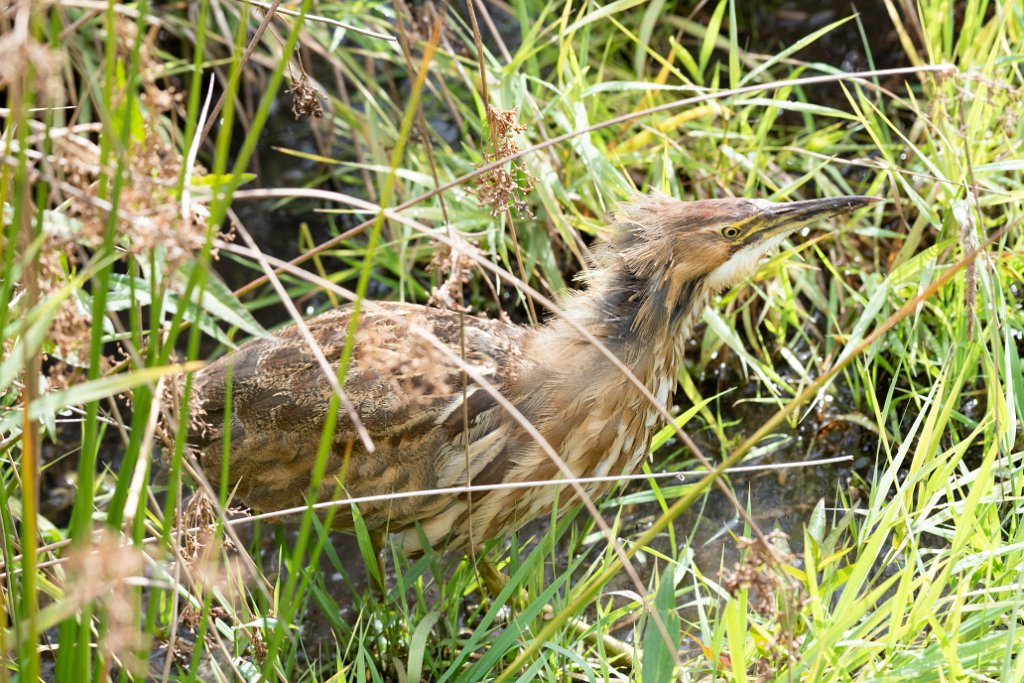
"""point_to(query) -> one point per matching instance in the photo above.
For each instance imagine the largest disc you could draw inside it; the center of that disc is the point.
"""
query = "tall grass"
(119, 195)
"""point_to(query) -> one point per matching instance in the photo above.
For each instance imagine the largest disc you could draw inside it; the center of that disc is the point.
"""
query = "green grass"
(906, 324)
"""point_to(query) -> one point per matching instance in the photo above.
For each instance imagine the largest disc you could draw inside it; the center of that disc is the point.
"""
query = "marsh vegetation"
(174, 174)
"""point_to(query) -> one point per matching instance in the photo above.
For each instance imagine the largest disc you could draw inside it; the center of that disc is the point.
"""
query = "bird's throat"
(650, 313)
(645, 322)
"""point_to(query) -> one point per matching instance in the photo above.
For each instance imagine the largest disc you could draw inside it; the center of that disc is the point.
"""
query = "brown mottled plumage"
(651, 280)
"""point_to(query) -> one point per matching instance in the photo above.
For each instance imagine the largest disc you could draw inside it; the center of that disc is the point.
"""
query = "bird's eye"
(731, 232)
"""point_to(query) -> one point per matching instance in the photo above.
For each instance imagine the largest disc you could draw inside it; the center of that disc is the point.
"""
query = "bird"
(432, 387)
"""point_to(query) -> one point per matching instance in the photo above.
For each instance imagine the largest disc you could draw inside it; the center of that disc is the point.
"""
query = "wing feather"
(407, 392)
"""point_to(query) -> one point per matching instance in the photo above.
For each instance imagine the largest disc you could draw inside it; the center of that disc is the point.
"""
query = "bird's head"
(719, 240)
(672, 245)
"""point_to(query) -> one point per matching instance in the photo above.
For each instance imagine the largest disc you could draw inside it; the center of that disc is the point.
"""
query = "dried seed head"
(503, 187)
(758, 572)
(70, 329)
(305, 99)
(23, 54)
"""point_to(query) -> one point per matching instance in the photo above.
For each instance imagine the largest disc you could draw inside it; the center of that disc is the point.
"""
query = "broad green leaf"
(816, 523)
(222, 304)
(659, 656)
(707, 46)
(608, 10)
(418, 645)
(807, 40)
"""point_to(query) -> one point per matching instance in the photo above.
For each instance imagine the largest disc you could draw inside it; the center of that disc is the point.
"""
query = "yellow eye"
(731, 232)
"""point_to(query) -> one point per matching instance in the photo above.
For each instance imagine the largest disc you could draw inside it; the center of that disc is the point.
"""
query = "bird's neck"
(644, 320)
(644, 323)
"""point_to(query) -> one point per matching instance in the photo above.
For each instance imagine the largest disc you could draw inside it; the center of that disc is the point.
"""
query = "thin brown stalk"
(273, 8)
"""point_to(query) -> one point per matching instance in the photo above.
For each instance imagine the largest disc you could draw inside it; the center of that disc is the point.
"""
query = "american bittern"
(661, 263)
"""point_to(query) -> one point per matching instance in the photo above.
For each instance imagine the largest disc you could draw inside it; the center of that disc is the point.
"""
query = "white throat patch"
(742, 265)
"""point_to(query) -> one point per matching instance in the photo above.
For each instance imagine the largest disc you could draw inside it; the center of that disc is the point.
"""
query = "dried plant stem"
(28, 617)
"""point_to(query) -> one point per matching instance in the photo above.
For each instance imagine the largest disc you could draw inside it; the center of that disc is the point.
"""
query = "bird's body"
(649, 284)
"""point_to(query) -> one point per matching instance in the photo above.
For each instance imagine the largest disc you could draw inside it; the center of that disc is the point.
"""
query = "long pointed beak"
(789, 216)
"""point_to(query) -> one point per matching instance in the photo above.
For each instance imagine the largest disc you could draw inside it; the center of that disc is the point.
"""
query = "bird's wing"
(404, 378)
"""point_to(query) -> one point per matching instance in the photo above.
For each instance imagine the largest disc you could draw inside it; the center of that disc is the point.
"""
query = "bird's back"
(404, 380)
